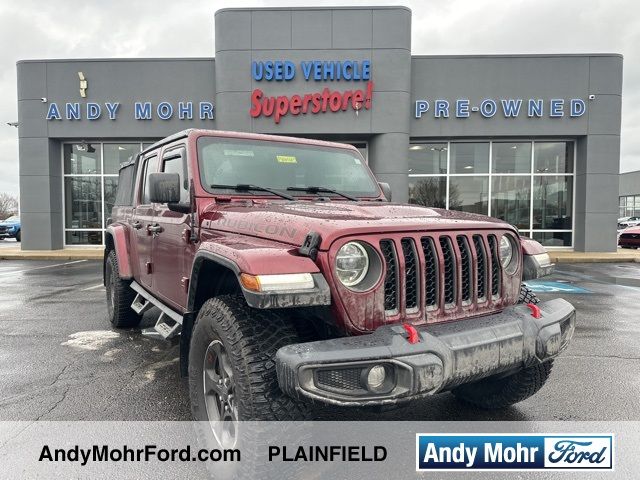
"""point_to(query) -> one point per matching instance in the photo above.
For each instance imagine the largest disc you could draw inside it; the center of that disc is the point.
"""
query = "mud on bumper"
(446, 355)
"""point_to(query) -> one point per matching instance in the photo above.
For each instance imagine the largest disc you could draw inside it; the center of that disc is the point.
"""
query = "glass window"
(177, 165)
(636, 210)
(115, 154)
(469, 157)
(553, 157)
(511, 199)
(553, 239)
(428, 191)
(83, 202)
(511, 157)
(428, 158)
(280, 165)
(469, 194)
(150, 166)
(552, 202)
(82, 158)
(110, 189)
(83, 238)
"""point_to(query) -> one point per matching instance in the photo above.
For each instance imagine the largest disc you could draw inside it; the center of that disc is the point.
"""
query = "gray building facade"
(532, 139)
(629, 200)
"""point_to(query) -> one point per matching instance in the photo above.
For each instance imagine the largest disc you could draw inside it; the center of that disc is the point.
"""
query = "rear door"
(142, 219)
(172, 250)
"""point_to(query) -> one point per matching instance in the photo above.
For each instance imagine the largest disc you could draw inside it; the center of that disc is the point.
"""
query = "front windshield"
(13, 218)
(280, 165)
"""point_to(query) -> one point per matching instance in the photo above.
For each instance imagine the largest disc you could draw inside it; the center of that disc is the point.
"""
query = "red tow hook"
(535, 310)
(412, 332)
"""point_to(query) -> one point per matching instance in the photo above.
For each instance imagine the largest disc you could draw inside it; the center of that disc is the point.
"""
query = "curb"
(51, 255)
(97, 254)
(583, 257)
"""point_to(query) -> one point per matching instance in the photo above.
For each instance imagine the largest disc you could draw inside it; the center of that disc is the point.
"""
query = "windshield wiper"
(242, 187)
(322, 190)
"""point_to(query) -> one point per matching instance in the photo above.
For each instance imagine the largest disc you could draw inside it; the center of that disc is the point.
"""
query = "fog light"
(376, 377)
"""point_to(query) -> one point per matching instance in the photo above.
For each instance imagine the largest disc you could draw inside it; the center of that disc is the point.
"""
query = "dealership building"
(531, 139)
(629, 204)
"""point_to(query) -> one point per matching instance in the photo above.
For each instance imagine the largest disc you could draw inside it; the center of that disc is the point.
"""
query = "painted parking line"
(549, 286)
(92, 288)
(7, 274)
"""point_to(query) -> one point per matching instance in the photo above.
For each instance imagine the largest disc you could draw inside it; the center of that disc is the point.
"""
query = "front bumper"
(446, 355)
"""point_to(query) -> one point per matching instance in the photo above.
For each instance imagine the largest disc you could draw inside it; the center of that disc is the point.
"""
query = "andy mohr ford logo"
(438, 452)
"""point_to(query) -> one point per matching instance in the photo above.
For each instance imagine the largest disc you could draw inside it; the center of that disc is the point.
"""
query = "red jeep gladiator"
(293, 281)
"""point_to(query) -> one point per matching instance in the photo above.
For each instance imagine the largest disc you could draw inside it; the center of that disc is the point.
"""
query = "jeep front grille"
(390, 280)
(444, 275)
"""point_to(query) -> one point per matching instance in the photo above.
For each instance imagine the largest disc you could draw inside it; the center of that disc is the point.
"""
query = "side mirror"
(164, 188)
(386, 190)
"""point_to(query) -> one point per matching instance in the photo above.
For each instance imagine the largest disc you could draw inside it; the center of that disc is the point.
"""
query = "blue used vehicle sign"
(438, 452)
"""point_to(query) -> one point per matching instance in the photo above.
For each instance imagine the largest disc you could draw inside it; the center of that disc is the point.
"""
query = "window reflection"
(511, 157)
(82, 158)
(511, 199)
(512, 174)
(468, 157)
(552, 202)
(430, 192)
(428, 158)
(469, 194)
(116, 154)
(553, 157)
(83, 202)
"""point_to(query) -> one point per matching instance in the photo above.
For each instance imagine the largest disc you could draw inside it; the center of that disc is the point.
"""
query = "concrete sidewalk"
(14, 253)
(96, 253)
(622, 255)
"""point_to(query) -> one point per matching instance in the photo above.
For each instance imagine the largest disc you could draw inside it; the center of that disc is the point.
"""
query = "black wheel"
(120, 295)
(232, 383)
(18, 236)
(502, 391)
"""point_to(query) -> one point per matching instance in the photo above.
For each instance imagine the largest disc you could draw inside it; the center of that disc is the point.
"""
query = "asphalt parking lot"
(60, 360)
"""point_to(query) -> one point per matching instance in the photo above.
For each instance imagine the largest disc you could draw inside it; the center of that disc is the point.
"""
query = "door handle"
(137, 225)
(155, 229)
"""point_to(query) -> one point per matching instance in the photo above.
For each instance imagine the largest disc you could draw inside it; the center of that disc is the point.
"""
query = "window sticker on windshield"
(357, 160)
(286, 159)
(238, 153)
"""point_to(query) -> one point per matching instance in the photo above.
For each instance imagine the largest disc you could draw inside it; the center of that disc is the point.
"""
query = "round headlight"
(506, 251)
(352, 264)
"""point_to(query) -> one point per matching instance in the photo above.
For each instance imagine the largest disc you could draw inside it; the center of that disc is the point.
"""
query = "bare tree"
(431, 192)
(8, 205)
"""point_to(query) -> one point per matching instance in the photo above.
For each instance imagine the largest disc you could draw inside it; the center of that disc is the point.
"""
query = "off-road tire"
(251, 338)
(18, 236)
(500, 391)
(119, 306)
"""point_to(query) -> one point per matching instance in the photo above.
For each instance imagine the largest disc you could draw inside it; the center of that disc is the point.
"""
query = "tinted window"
(125, 185)
(177, 164)
(150, 166)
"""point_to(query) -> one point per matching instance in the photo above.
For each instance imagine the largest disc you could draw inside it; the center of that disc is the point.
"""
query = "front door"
(172, 251)
(140, 222)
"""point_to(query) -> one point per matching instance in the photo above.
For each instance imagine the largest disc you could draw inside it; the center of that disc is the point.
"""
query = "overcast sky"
(32, 29)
